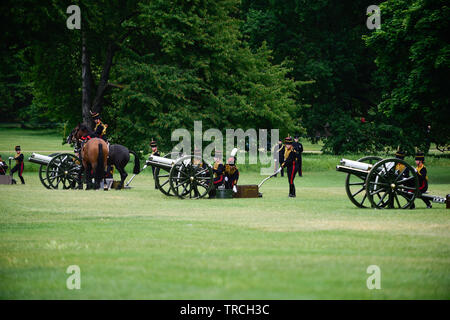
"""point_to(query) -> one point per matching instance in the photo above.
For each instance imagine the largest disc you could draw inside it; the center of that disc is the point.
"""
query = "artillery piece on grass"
(58, 170)
(382, 183)
(187, 177)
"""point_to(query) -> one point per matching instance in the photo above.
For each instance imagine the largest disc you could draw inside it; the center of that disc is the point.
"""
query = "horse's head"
(79, 131)
(82, 131)
(71, 138)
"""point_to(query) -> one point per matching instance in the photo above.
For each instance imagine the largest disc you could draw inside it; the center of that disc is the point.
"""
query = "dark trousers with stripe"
(291, 172)
(423, 189)
(19, 169)
(218, 181)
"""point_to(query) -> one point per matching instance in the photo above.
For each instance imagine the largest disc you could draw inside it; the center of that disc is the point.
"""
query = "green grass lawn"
(138, 243)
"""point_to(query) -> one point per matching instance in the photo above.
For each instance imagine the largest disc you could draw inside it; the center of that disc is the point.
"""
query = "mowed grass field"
(139, 244)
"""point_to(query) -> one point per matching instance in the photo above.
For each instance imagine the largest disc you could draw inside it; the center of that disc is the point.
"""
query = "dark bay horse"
(119, 155)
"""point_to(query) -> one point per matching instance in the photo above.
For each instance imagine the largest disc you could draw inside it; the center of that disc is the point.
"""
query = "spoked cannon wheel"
(63, 171)
(191, 178)
(355, 184)
(162, 181)
(43, 173)
(392, 183)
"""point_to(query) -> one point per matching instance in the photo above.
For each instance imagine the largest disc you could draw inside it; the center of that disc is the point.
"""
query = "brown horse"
(94, 156)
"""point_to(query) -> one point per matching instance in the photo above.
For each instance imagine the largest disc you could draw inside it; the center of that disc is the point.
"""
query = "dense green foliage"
(308, 67)
(197, 68)
(413, 59)
(322, 40)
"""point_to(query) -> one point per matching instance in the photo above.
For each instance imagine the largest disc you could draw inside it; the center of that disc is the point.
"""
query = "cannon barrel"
(39, 159)
(160, 162)
(355, 167)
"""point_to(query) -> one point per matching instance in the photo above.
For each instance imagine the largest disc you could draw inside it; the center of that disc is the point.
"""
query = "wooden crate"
(247, 191)
(5, 179)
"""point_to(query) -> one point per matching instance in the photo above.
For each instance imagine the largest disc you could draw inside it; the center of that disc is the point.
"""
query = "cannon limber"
(382, 183)
(58, 170)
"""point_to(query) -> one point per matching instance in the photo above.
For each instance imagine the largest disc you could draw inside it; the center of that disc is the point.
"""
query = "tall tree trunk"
(97, 105)
(87, 83)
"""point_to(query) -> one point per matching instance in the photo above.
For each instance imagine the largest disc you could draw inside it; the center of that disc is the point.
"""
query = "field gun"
(383, 183)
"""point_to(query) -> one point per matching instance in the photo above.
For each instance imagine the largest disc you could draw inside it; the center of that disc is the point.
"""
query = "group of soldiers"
(225, 175)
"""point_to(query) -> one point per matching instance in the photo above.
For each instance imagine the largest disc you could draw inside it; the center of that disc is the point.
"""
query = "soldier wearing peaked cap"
(291, 164)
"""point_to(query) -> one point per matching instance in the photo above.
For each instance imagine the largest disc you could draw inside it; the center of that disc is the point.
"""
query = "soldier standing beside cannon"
(290, 163)
(155, 152)
(19, 164)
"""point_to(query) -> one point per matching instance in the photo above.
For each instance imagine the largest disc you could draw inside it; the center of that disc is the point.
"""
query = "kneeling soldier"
(218, 170)
(290, 163)
(231, 174)
(400, 168)
(421, 171)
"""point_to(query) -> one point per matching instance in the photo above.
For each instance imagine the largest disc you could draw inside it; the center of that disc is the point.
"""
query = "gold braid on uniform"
(399, 167)
(419, 169)
(229, 169)
(287, 152)
(104, 127)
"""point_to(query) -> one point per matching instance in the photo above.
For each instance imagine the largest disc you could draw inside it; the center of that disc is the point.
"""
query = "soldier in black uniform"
(231, 174)
(100, 127)
(280, 149)
(299, 149)
(218, 170)
(3, 167)
(290, 163)
(155, 152)
(19, 164)
(421, 171)
(399, 167)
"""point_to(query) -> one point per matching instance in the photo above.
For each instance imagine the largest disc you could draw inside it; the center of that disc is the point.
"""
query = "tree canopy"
(305, 67)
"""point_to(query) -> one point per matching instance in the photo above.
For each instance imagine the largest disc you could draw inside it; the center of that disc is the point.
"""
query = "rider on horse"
(100, 127)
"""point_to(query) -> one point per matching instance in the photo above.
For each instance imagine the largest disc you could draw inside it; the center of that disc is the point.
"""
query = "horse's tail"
(100, 163)
(137, 164)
